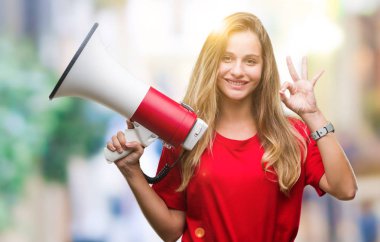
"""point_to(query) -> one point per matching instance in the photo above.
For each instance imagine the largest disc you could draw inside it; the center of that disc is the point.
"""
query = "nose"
(237, 69)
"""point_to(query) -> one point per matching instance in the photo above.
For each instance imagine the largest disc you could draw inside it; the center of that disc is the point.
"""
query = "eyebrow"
(252, 55)
(249, 55)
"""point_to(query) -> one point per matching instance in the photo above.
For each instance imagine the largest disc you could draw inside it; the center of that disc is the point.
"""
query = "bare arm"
(339, 179)
(168, 223)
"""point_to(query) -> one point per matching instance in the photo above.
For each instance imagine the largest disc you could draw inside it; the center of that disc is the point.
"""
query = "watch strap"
(329, 128)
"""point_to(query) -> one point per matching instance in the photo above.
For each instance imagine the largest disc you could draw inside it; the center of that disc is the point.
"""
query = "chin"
(236, 98)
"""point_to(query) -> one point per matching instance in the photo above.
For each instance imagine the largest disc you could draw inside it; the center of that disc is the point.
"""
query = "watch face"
(330, 127)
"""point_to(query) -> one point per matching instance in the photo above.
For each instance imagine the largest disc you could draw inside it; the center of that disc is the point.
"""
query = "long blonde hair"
(283, 145)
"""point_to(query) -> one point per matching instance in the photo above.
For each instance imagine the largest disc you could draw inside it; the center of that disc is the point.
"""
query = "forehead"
(244, 43)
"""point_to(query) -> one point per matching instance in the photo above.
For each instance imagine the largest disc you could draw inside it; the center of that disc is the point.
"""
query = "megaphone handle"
(145, 137)
(112, 156)
(140, 134)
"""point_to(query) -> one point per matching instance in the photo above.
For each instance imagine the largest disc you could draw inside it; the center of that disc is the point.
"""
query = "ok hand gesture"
(302, 99)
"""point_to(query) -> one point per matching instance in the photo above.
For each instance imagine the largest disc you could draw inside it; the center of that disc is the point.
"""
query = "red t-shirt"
(231, 198)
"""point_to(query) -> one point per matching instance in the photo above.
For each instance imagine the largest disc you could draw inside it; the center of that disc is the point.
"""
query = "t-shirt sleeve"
(166, 188)
(314, 168)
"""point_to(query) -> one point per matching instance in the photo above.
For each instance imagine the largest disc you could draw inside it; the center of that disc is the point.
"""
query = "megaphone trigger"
(140, 134)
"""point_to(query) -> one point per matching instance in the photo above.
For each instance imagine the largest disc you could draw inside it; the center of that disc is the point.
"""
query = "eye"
(251, 61)
(227, 59)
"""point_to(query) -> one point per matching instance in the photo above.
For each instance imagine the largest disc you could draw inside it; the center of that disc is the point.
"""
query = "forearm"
(340, 178)
(167, 223)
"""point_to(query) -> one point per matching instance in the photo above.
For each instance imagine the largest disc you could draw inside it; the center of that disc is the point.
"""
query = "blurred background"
(54, 182)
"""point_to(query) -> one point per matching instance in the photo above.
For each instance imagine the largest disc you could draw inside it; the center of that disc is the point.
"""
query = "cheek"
(220, 83)
(255, 73)
(223, 69)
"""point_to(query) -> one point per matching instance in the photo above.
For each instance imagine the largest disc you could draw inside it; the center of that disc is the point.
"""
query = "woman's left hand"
(302, 99)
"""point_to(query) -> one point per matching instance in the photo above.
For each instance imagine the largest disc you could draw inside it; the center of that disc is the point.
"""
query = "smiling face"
(240, 68)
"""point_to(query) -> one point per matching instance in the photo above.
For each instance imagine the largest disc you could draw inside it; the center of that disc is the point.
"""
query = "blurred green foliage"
(38, 136)
(74, 130)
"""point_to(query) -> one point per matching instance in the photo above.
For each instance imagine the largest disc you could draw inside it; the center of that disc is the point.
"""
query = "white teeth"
(237, 83)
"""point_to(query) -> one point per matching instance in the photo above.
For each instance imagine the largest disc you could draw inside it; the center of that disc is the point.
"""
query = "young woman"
(245, 178)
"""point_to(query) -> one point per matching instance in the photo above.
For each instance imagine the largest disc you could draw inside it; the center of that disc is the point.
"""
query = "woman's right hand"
(118, 143)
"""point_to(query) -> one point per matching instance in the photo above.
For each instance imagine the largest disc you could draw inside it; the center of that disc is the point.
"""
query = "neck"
(236, 120)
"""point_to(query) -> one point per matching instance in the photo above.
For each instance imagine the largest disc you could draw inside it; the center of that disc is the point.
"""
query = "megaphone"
(93, 74)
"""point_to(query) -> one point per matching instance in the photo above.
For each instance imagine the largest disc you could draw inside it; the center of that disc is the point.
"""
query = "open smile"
(236, 82)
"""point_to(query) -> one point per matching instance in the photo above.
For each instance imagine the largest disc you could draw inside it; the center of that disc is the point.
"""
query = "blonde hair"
(283, 145)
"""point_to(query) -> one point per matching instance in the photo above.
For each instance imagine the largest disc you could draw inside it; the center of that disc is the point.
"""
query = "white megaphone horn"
(93, 74)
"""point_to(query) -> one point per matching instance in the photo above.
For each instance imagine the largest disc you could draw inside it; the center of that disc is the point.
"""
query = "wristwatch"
(322, 132)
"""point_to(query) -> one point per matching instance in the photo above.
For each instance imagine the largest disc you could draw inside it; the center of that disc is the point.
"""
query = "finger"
(121, 137)
(136, 146)
(116, 144)
(288, 86)
(292, 70)
(316, 77)
(130, 125)
(137, 151)
(304, 68)
(110, 146)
